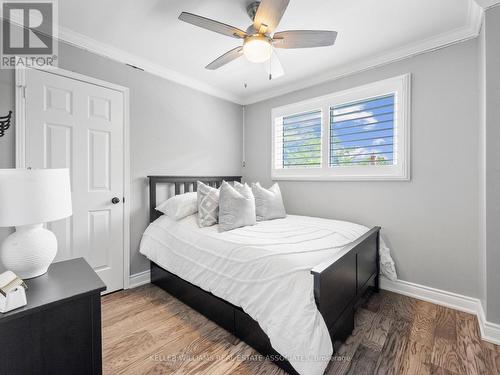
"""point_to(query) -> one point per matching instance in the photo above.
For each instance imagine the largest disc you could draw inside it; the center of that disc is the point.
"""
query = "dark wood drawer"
(60, 338)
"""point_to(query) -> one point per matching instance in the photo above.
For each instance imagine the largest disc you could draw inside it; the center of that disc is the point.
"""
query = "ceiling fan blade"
(269, 14)
(225, 58)
(273, 67)
(304, 38)
(209, 24)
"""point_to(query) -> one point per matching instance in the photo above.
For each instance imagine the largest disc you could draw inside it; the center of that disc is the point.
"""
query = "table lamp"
(28, 199)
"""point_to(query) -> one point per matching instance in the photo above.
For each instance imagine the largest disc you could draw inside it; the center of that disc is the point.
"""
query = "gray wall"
(482, 168)
(173, 130)
(492, 71)
(430, 222)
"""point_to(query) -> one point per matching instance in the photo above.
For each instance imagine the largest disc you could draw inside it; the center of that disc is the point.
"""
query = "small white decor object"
(29, 198)
(12, 292)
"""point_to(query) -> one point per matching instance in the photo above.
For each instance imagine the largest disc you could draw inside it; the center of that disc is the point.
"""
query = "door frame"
(20, 91)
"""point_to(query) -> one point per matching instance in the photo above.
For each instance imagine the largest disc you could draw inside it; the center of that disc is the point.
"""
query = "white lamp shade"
(33, 196)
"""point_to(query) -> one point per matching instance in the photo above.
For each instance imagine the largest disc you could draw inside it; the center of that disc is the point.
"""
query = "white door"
(74, 124)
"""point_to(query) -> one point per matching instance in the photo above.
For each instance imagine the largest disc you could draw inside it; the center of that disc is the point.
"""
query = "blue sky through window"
(362, 133)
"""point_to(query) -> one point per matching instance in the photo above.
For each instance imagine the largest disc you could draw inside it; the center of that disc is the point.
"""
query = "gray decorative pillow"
(236, 206)
(208, 205)
(268, 202)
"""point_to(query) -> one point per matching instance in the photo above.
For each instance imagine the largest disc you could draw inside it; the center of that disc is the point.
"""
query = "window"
(357, 134)
(362, 133)
(300, 138)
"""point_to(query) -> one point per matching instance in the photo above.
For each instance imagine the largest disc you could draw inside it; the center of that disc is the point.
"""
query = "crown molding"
(469, 31)
(84, 42)
(485, 4)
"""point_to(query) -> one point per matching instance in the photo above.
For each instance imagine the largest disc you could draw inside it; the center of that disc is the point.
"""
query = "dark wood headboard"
(181, 184)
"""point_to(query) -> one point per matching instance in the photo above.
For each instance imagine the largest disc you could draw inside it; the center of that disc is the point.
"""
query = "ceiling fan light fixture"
(260, 38)
(257, 48)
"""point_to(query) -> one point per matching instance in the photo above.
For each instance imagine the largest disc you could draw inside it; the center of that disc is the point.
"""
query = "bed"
(218, 275)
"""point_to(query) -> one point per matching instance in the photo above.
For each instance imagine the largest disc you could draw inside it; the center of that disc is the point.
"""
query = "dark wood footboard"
(340, 285)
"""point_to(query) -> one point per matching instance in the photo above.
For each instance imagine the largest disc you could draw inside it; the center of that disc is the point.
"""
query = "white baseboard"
(139, 279)
(425, 293)
(489, 331)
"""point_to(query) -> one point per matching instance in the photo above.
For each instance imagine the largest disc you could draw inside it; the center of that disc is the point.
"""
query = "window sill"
(277, 176)
(339, 178)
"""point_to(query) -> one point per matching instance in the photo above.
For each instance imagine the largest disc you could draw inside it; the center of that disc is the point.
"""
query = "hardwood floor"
(147, 331)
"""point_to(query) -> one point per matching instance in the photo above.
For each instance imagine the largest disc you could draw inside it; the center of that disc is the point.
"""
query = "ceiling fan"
(260, 38)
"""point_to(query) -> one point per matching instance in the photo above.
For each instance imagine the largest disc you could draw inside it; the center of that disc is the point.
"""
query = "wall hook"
(5, 123)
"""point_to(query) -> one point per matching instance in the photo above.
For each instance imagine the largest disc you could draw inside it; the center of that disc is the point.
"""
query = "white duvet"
(265, 269)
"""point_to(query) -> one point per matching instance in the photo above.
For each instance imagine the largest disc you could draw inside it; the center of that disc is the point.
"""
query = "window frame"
(400, 86)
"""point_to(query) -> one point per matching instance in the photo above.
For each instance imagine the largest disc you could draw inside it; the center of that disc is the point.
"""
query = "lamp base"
(29, 251)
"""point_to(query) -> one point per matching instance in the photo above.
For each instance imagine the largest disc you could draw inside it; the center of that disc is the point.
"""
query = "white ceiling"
(147, 33)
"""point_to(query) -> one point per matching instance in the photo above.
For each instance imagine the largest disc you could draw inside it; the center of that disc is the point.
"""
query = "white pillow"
(268, 202)
(208, 205)
(236, 206)
(179, 206)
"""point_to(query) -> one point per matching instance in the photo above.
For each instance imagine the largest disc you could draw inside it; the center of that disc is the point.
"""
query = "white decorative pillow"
(179, 206)
(268, 202)
(238, 185)
(236, 206)
(208, 205)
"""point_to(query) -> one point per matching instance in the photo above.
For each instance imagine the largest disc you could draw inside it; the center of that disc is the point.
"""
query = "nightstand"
(59, 330)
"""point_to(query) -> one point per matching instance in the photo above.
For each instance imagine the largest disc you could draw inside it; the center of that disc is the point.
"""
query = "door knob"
(115, 200)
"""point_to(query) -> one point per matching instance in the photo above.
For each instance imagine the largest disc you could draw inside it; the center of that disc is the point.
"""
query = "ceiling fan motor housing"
(252, 9)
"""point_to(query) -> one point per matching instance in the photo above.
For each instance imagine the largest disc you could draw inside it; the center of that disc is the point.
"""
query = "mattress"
(264, 269)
